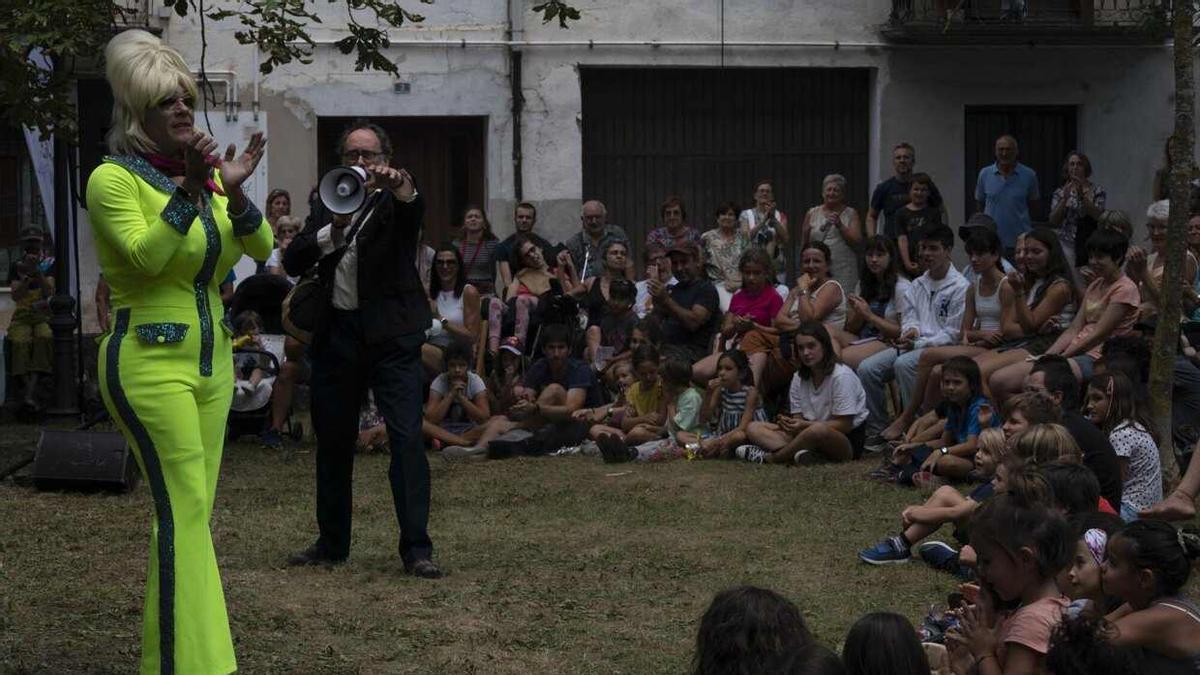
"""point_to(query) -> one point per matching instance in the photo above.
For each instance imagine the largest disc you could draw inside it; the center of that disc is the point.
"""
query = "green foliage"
(279, 28)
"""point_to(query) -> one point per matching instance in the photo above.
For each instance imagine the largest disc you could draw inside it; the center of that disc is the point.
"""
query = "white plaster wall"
(918, 93)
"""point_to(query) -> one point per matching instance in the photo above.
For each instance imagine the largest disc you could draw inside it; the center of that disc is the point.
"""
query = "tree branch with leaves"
(65, 29)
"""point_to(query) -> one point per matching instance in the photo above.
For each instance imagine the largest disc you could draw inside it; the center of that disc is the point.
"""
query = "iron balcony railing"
(1027, 20)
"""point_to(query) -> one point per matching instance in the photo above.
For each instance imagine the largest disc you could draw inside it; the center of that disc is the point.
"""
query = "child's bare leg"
(642, 433)
(819, 437)
(767, 435)
(598, 430)
(435, 432)
(942, 497)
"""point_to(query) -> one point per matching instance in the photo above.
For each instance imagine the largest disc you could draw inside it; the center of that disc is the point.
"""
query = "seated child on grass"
(1148, 566)
(1022, 546)
(734, 401)
(642, 415)
(828, 409)
(1081, 581)
(683, 421)
(946, 505)
(951, 457)
(458, 401)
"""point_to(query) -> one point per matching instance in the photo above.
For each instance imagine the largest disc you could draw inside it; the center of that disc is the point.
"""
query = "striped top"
(733, 404)
(479, 263)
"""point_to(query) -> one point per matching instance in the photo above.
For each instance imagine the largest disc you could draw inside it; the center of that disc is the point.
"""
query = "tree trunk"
(1166, 335)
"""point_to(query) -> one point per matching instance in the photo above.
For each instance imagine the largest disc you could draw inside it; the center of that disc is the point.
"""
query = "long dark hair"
(816, 330)
(517, 260)
(746, 630)
(1165, 551)
(460, 278)
(876, 289)
(1124, 402)
(1057, 267)
(883, 643)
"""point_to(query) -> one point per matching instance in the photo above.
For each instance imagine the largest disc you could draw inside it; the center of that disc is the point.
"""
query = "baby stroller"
(250, 411)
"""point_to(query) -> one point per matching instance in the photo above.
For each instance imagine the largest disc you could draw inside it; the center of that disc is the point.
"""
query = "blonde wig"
(142, 71)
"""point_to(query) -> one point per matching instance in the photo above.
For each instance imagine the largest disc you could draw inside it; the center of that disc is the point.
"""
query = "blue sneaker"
(942, 556)
(271, 438)
(890, 551)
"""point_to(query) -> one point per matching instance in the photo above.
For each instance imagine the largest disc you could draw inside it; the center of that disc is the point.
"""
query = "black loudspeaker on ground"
(86, 460)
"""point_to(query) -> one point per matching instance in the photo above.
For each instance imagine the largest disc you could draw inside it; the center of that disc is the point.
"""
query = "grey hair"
(1159, 210)
(834, 178)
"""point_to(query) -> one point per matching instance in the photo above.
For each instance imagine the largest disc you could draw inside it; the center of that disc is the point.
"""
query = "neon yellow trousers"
(174, 417)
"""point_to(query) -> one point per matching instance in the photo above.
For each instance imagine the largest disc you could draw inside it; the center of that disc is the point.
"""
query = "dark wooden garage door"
(708, 134)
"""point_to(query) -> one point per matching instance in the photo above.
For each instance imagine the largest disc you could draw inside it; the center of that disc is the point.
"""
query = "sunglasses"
(169, 102)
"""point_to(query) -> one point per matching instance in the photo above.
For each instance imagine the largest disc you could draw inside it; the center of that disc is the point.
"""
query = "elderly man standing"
(1007, 191)
(892, 194)
(586, 248)
(368, 337)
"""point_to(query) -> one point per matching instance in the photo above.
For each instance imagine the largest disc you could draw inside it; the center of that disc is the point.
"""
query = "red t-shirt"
(761, 306)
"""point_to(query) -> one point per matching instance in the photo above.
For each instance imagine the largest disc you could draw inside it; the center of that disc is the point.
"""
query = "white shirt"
(345, 277)
(936, 308)
(643, 302)
(840, 394)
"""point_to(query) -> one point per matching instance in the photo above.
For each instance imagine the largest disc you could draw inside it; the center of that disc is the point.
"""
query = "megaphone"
(343, 189)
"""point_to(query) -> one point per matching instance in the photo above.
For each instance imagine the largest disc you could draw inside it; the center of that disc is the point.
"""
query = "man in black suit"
(370, 335)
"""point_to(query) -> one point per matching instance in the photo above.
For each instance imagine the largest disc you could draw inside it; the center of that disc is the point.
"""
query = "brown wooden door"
(708, 134)
(444, 154)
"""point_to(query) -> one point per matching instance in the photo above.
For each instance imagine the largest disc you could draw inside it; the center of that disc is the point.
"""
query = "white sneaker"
(454, 453)
(750, 453)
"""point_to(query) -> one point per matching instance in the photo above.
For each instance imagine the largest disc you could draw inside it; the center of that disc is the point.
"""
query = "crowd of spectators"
(1010, 391)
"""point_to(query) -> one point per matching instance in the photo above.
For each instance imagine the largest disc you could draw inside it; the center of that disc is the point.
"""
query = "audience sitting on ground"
(455, 305)
(1109, 307)
(989, 302)
(643, 415)
(532, 281)
(608, 338)
(748, 630)
(751, 312)
(874, 310)
(682, 428)
(827, 407)
(936, 302)
(458, 403)
(967, 413)
(1021, 546)
(884, 643)
(733, 402)
(1113, 405)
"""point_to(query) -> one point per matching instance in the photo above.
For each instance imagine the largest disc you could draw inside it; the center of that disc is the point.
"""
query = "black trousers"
(343, 366)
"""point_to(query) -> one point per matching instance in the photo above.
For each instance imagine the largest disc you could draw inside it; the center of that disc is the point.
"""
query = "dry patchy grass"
(555, 565)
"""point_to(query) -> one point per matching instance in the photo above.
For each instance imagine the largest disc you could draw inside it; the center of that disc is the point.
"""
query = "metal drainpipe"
(518, 103)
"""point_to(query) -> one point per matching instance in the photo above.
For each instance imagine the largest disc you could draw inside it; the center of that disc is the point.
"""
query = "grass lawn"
(556, 565)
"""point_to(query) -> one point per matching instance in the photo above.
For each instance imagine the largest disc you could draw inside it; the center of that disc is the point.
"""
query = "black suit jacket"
(391, 298)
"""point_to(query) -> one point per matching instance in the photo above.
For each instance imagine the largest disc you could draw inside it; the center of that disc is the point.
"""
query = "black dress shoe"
(424, 568)
(313, 555)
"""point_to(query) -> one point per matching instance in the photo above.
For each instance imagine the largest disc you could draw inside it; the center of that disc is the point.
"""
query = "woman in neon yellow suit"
(169, 220)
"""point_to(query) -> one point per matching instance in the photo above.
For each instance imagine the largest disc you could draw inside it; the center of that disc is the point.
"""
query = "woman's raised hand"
(235, 169)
